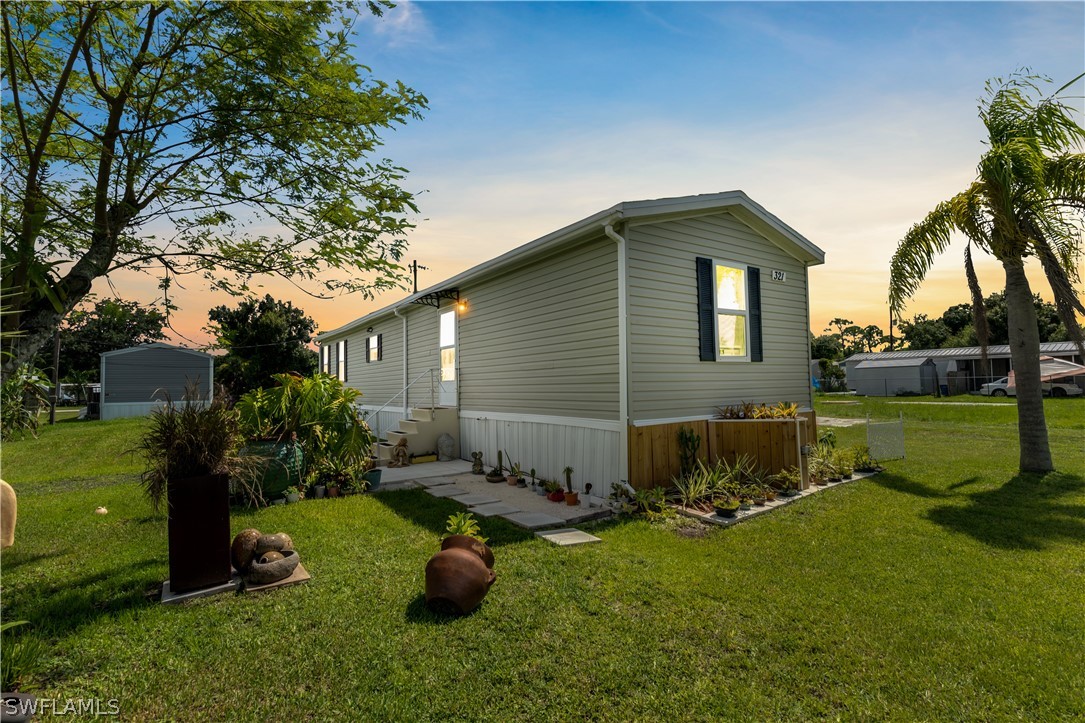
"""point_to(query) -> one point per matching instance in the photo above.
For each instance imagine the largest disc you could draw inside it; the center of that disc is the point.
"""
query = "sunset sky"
(849, 121)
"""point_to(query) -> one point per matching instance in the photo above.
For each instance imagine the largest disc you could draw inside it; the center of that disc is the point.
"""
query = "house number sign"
(779, 275)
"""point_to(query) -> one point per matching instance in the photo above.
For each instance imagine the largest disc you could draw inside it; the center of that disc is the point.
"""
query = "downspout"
(395, 310)
(623, 355)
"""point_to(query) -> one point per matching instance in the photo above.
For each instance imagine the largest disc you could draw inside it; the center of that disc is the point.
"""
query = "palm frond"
(1064, 179)
(1067, 302)
(923, 242)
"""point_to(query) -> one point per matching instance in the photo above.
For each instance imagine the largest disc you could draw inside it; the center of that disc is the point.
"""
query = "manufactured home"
(565, 350)
(138, 379)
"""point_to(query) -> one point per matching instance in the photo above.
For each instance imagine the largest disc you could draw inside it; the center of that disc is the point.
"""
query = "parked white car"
(1001, 388)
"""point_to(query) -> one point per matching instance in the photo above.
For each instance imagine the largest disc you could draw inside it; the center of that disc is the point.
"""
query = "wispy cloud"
(405, 24)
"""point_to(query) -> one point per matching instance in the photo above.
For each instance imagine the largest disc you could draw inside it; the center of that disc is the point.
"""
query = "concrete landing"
(492, 509)
(533, 520)
(567, 537)
(448, 491)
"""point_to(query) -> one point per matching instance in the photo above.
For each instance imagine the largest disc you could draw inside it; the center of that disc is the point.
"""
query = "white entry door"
(448, 358)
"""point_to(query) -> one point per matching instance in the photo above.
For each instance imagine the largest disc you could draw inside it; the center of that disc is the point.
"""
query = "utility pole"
(415, 266)
(56, 378)
(890, 328)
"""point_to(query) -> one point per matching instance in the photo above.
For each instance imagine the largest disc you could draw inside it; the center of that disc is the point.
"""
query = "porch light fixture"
(461, 306)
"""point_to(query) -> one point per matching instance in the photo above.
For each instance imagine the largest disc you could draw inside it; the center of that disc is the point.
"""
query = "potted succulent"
(497, 474)
(540, 488)
(293, 494)
(554, 493)
(725, 506)
(533, 480)
(520, 481)
(190, 450)
(513, 477)
(571, 498)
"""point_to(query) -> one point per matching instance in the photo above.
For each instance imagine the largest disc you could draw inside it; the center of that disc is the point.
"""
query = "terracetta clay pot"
(459, 576)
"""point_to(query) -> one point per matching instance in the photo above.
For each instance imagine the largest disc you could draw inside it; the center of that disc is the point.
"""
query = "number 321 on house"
(779, 275)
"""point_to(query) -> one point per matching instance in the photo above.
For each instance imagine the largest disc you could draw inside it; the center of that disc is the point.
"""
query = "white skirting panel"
(549, 444)
(120, 410)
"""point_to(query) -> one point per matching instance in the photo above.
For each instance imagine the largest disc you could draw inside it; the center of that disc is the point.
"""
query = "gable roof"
(736, 203)
(156, 345)
(894, 363)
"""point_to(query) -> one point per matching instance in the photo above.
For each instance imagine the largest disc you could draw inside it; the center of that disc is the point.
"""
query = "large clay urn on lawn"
(459, 576)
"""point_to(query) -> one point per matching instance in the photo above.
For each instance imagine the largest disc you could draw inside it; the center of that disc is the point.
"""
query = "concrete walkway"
(518, 505)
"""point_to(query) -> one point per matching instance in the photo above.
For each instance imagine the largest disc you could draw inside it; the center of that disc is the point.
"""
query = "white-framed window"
(732, 311)
(448, 345)
(341, 360)
(374, 350)
(325, 359)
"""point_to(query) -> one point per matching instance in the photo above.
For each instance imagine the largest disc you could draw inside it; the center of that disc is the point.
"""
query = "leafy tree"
(109, 324)
(923, 333)
(163, 137)
(826, 346)
(262, 337)
(1028, 200)
(871, 336)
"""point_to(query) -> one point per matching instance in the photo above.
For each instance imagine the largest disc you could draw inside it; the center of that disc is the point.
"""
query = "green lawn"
(945, 588)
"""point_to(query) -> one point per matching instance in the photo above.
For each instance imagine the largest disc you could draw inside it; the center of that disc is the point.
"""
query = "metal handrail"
(432, 399)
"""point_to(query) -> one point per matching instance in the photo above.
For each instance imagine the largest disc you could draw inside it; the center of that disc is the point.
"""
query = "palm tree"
(1028, 200)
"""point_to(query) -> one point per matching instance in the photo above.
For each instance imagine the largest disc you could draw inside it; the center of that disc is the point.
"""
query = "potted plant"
(293, 494)
(571, 498)
(790, 481)
(533, 481)
(540, 488)
(372, 475)
(514, 475)
(725, 506)
(520, 481)
(554, 493)
(497, 474)
(190, 450)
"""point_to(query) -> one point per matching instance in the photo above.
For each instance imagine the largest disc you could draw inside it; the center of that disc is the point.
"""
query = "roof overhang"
(735, 202)
(156, 345)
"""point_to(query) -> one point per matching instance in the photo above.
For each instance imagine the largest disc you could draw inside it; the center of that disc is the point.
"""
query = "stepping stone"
(448, 491)
(495, 508)
(533, 520)
(567, 536)
(435, 481)
(476, 499)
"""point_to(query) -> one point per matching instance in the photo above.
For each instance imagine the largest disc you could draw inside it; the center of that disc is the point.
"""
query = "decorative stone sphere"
(270, 556)
(278, 542)
(445, 445)
(243, 549)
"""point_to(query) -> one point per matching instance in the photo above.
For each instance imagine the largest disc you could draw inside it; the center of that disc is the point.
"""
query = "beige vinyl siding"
(422, 350)
(667, 378)
(542, 337)
(377, 381)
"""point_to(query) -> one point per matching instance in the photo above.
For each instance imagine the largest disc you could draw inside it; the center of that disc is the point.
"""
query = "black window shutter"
(380, 347)
(753, 292)
(344, 360)
(367, 350)
(706, 309)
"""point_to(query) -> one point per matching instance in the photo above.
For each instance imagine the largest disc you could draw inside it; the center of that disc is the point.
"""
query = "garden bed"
(742, 515)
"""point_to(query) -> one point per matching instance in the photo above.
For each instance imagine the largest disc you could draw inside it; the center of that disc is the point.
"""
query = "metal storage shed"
(892, 377)
(137, 379)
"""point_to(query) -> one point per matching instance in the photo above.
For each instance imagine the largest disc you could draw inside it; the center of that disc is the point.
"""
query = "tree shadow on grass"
(1023, 514)
(897, 483)
(431, 513)
(61, 609)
